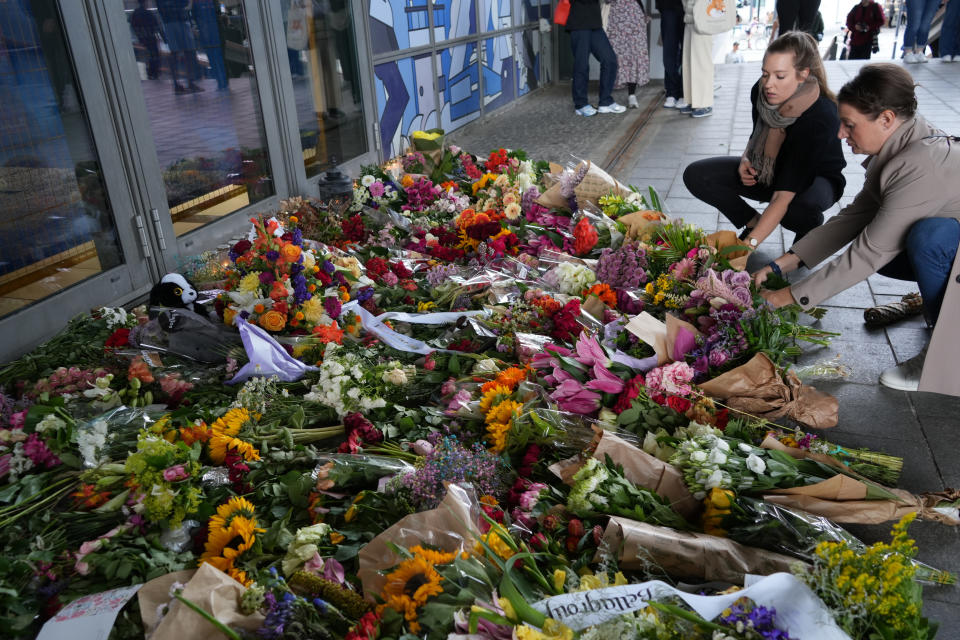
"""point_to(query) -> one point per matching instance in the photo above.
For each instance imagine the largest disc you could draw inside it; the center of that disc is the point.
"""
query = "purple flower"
(328, 266)
(272, 255)
(332, 306)
(267, 277)
(364, 294)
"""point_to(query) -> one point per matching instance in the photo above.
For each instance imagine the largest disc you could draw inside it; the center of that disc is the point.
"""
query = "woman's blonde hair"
(806, 55)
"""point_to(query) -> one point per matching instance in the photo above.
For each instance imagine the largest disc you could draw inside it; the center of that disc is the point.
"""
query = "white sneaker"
(670, 102)
(949, 58)
(921, 57)
(632, 102)
(681, 104)
(910, 58)
(586, 110)
(613, 107)
(906, 375)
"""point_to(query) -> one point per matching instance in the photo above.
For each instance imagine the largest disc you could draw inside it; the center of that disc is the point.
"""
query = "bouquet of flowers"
(281, 286)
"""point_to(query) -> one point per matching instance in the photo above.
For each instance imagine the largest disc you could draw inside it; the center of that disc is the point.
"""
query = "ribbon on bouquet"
(375, 325)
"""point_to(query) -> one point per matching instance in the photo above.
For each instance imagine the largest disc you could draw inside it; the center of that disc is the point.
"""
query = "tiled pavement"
(922, 428)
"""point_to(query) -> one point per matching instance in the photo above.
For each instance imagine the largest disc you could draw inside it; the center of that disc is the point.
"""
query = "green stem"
(224, 629)
(683, 614)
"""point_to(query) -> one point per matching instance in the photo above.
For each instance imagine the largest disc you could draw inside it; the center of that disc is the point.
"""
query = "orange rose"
(273, 320)
(290, 252)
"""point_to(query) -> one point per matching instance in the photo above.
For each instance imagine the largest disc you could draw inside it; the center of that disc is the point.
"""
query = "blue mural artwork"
(495, 15)
(459, 85)
(405, 100)
(499, 71)
(525, 11)
(396, 25)
(527, 46)
(454, 19)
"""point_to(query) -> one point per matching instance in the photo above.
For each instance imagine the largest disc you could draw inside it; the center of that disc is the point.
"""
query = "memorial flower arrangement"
(434, 470)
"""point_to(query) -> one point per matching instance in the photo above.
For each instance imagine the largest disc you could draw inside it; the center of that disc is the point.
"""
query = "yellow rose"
(273, 320)
(228, 316)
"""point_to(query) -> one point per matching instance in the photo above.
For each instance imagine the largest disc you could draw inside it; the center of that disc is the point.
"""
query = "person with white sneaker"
(703, 21)
(626, 27)
(671, 37)
(950, 33)
(793, 159)
(587, 36)
(919, 17)
(904, 223)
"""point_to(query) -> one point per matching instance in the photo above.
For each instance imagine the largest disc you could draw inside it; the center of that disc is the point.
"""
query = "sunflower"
(433, 556)
(219, 445)
(235, 507)
(492, 395)
(230, 423)
(497, 435)
(412, 583)
(225, 545)
(504, 411)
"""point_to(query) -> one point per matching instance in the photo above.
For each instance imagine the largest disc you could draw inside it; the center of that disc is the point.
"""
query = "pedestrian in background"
(919, 16)
(793, 159)
(587, 36)
(797, 15)
(734, 56)
(697, 67)
(626, 27)
(671, 37)
(864, 22)
(950, 33)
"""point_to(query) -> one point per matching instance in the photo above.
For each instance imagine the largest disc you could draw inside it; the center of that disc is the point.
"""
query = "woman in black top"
(793, 160)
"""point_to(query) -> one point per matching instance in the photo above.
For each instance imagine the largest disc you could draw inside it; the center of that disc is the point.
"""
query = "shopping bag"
(711, 17)
(562, 12)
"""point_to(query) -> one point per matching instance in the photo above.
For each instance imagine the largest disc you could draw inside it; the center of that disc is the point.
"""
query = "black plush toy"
(175, 291)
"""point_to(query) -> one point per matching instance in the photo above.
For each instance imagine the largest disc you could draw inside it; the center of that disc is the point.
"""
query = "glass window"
(454, 19)
(199, 85)
(56, 226)
(322, 53)
(495, 15)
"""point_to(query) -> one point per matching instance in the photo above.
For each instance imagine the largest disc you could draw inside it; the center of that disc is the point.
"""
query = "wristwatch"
(753, 242)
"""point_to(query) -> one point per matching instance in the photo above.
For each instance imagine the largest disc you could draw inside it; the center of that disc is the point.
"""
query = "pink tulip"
(570, 395)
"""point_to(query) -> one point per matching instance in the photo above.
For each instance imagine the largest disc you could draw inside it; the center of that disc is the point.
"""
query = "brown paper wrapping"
(448, 527)
(723, 239)
(640, 468)
(208, 588)
(594, 306)
(689, 555)
(844, 499)
(756, 388)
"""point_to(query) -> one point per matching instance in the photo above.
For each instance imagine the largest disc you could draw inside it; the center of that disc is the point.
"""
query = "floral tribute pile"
(506, 402)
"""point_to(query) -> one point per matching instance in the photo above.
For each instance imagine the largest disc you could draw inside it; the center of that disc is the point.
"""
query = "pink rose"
(175, 473)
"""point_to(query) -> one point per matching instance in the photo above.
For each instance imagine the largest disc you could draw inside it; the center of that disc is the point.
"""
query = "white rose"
(718, 457)
(714, 481)
(756, 464)
(722, 445)
(395, 376)
(745, 447)
(650, 444)
(699, 456)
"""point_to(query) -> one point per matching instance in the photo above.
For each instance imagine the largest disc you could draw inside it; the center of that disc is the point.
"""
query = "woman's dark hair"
(806, 55)
(879, 87)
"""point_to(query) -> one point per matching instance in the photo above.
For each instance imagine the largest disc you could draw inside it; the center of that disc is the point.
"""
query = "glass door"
(63, 242)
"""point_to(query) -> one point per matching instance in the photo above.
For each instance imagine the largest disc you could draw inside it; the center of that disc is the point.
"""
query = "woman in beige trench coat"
(904, 223)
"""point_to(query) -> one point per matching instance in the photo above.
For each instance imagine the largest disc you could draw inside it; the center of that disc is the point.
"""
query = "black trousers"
(797, 14)
(716, 181)
(860, 51)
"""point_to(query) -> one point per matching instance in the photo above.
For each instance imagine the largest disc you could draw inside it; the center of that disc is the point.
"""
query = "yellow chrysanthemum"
(250, 282)
(466, 242)
(497, 436)
(496, 539)
(313, 310)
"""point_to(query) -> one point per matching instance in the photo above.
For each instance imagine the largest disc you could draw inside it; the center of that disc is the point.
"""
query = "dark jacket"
(584, 14)
(870, 15)
(810, 149)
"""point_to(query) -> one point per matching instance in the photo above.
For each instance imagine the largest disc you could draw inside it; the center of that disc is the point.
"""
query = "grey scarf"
(770, 130)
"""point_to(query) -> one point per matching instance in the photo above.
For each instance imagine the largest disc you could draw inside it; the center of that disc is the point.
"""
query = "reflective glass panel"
(56, 226)
(200, 87)
(322, 54)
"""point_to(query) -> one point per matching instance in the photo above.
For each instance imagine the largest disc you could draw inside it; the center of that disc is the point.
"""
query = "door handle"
(142, 231)
(158, 228)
